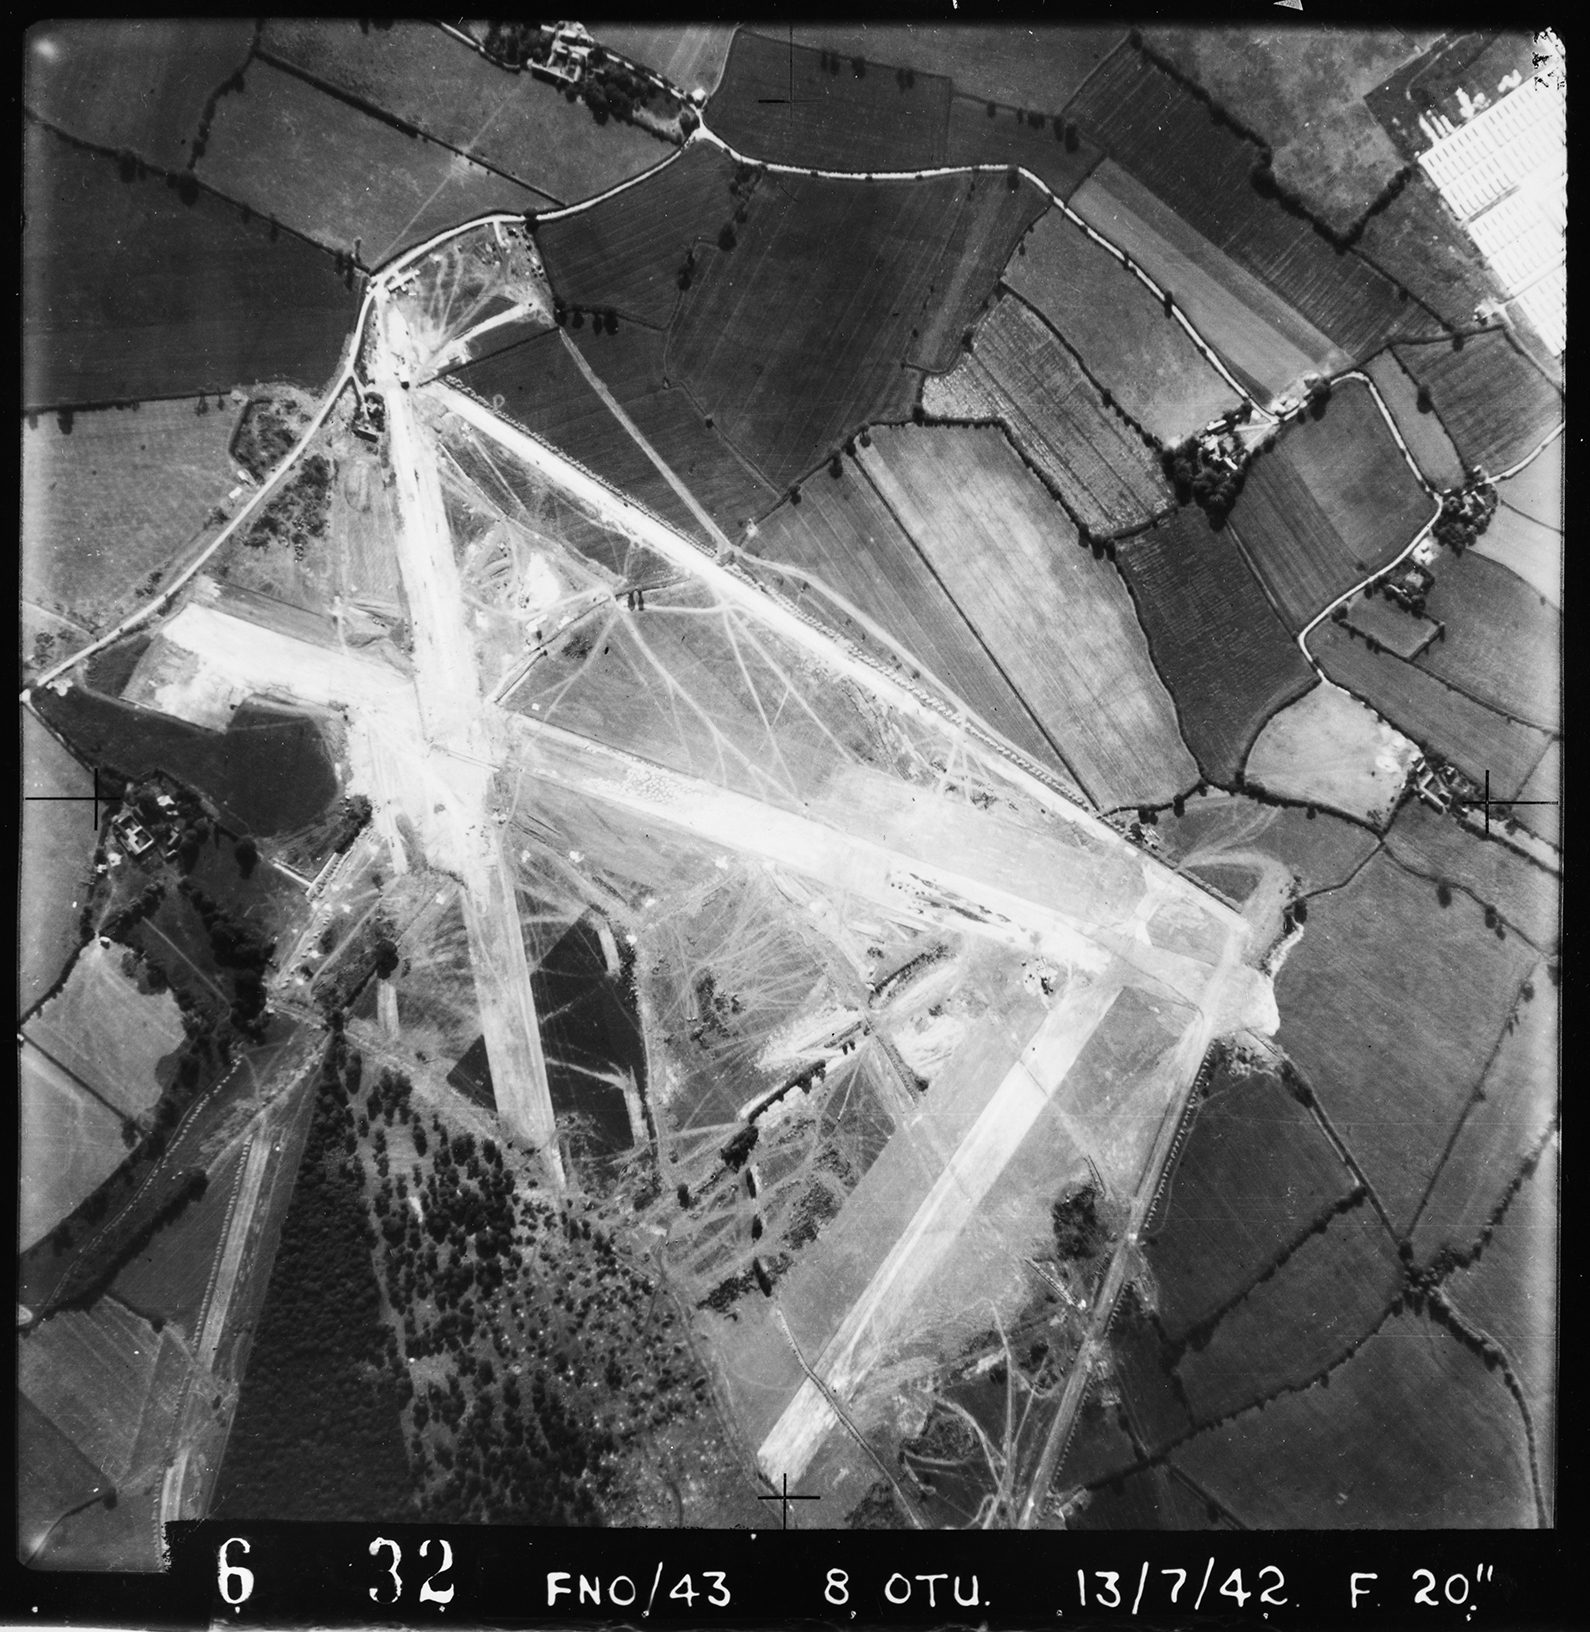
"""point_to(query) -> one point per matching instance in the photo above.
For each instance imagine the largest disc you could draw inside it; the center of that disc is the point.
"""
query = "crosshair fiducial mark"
(96, 799)
(1487, 803)
(786, 1496)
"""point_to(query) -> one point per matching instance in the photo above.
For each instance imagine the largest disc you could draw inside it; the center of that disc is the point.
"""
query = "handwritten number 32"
(429, 1594)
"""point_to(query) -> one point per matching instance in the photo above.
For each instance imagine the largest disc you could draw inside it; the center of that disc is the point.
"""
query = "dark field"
(1123, 335)
(1441, 848)
(1318, 1306)
(1153, 1498)
(1434, 715)
(794, 339)
(1495, 404)
(1255, 1174)
(1401, 632)
(1413, 1432)
(1021, 373)
(1164, 136)
(1041, 67)
(1500, 1132)
(1503, 641)
(1511, 1295)
(591, 1036)
(139, 85)
(193, 299)
(1100, 1446)
(1424, 433)
(544, 391)
(830, 120)
(1156, 1410)
(1010, 137)
(268, 148)
(1390, 1005)
(1333, 500)
(1214, 638)
(268, 772)
(431, 82)
(626, 252)
(844, 534)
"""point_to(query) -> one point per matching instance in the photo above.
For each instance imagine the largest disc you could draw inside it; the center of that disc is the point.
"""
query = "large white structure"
(1504, 174)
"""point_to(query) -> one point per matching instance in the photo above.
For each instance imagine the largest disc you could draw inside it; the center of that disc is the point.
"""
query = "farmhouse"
(127, 828)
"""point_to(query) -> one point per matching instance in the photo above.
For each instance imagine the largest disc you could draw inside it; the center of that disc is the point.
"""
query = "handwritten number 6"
(392, 1568)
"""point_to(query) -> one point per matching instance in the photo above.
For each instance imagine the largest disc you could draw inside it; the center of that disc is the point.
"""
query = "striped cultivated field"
(1331, 502)
(1496, 405)
(795, 105)
(1217, 644)
(1440, 719)
(1162, 134)
(542, 387)
(845, 536)
(1501, 641)
(1021, 374)
(626, 252)
(1059, 622)
(1124, 337)
(795, 337)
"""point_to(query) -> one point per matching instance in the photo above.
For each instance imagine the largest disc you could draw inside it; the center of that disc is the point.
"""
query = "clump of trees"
(298, 512)
(1201, 476)
(1465, 514)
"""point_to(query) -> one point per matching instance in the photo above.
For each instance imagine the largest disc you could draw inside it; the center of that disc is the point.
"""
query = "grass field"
(1144, 358)
(1418, 243)
(1525, 533)
(1511, 1295)
(1059, 623)
(139, 85)
(1424, 433)
(434, 83)
(1020, 373)
(90, 1374)
(1328, 749)
(1260, 337)
(194, 297)
(1009, 136)
(1254, 1174)
(1302, 90)
(268, 148)
(1215, 641)
(53, 1477)
(1158, 1413)
(1403, 633)
(1413, 1432)
(831, 120)
(1321, 852)
(117, 498)
(1151, 1499)
(69, 1143)
(1390, 1006)
(1544, 784)
(626, 252)
(1503, 641)
(1158, 131)
(54, 861)
(1038, 68)
(171, 1275)
(1495, 404)
(1333, 500)
(690, 56)
(268, 771)
(106, 1032)
(844, 534)
(1500, 1132)
(1320, 1303)
(1526, 896)
(794, 339)
(1474, 737)
(543, 389)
